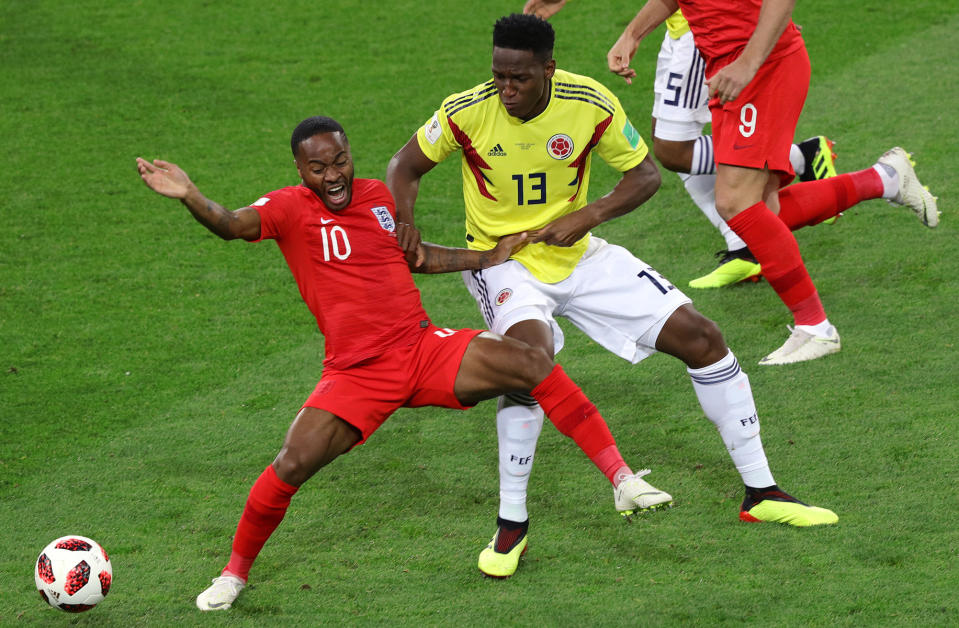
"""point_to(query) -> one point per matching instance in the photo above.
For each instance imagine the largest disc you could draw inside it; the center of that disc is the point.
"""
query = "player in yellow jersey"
(526, 141)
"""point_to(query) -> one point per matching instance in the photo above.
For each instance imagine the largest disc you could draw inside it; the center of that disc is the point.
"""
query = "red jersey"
(349, 268)
(722, 28)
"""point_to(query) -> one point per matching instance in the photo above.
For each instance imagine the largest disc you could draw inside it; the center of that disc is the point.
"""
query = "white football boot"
(634, 494)
(221, 594)
(912, 193)
(802, 346)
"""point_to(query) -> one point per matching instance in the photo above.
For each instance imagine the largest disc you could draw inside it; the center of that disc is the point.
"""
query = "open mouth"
(336, 193)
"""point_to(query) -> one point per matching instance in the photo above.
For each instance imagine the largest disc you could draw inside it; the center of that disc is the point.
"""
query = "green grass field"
(148, 371)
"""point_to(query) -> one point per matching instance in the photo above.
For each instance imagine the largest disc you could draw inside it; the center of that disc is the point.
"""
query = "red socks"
(575, 416)
(770, 241)
(804, 204)
(775, 248)
(265, 507)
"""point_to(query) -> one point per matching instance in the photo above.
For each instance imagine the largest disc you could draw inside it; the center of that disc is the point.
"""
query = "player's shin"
(725, 395)
(810, 203)
(519, 420)
(575, 416)
(701, 189)
(265, 508)
(775, 248)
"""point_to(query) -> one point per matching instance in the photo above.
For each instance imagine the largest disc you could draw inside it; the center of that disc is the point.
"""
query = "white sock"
(797, 160)
(517, 428)
(702, 189)
(704, 162)
(726, 398)
(819, 329)
(889, 178)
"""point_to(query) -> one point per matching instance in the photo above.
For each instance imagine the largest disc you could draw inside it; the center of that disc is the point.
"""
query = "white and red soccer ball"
(73, 573)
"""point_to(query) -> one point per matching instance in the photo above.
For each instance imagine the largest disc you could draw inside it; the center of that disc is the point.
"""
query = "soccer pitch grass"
(148, 371)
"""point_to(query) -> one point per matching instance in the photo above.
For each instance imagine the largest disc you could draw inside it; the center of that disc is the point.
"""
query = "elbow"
(648, 180)
(654, 180)
(651, 174)
(392, 167)
(397, 171)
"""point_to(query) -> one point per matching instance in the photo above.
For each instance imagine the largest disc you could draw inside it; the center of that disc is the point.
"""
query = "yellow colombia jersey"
(519, 176)
(676, 25)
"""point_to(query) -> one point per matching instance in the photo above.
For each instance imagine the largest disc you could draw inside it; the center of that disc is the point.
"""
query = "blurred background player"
(758, 76)
(382, 351)
(680, 112)
(526, 140)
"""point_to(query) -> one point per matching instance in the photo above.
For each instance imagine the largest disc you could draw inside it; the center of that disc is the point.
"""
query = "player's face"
(325, 164)
(522, 80)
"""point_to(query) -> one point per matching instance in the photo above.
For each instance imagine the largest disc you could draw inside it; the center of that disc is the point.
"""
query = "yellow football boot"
(734, 267)
(774, 506)
(500, 559)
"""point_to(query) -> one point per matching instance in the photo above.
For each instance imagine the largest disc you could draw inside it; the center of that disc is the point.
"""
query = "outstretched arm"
(635, 188)
(444, 259)
(403, 175)
(168, 179)
(774, 17)
(653, 13)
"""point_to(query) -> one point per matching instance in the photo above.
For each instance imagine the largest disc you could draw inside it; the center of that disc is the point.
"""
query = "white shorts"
(616, 299)
(681, 106)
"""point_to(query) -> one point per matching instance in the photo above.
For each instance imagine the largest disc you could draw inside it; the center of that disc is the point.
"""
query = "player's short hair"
(310, 127)
(525, 32)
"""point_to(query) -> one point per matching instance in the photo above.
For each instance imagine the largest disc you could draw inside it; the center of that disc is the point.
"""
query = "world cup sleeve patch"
(432, 130)
(384, 217)
(260, 202)
(631, 134)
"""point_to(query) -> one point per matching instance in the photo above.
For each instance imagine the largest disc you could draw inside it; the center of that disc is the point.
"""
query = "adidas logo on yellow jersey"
(497, 151)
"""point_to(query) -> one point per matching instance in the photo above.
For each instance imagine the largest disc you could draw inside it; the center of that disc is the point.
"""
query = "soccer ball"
(73, 573)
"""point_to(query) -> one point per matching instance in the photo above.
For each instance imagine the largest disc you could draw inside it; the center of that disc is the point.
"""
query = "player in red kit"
(382, 351)
(758, 73)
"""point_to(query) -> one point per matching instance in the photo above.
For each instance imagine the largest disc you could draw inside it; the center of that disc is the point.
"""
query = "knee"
(726, 205)
(693, 338)
(314, 439)
(299, 460)
(708, 345)
(534, 365)
(291, 466)
(670, 155)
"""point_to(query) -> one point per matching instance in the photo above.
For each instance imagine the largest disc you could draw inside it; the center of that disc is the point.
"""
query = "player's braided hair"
(525, 32)
(311, 126)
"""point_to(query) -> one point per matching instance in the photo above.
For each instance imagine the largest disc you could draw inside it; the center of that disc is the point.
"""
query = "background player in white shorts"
(680, 112)
(526, 139)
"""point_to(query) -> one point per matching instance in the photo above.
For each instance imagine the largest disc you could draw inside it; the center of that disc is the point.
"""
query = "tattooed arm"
(443, 259)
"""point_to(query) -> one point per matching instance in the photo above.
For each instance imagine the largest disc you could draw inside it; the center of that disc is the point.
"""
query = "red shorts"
(421, 374)
(757, 129)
